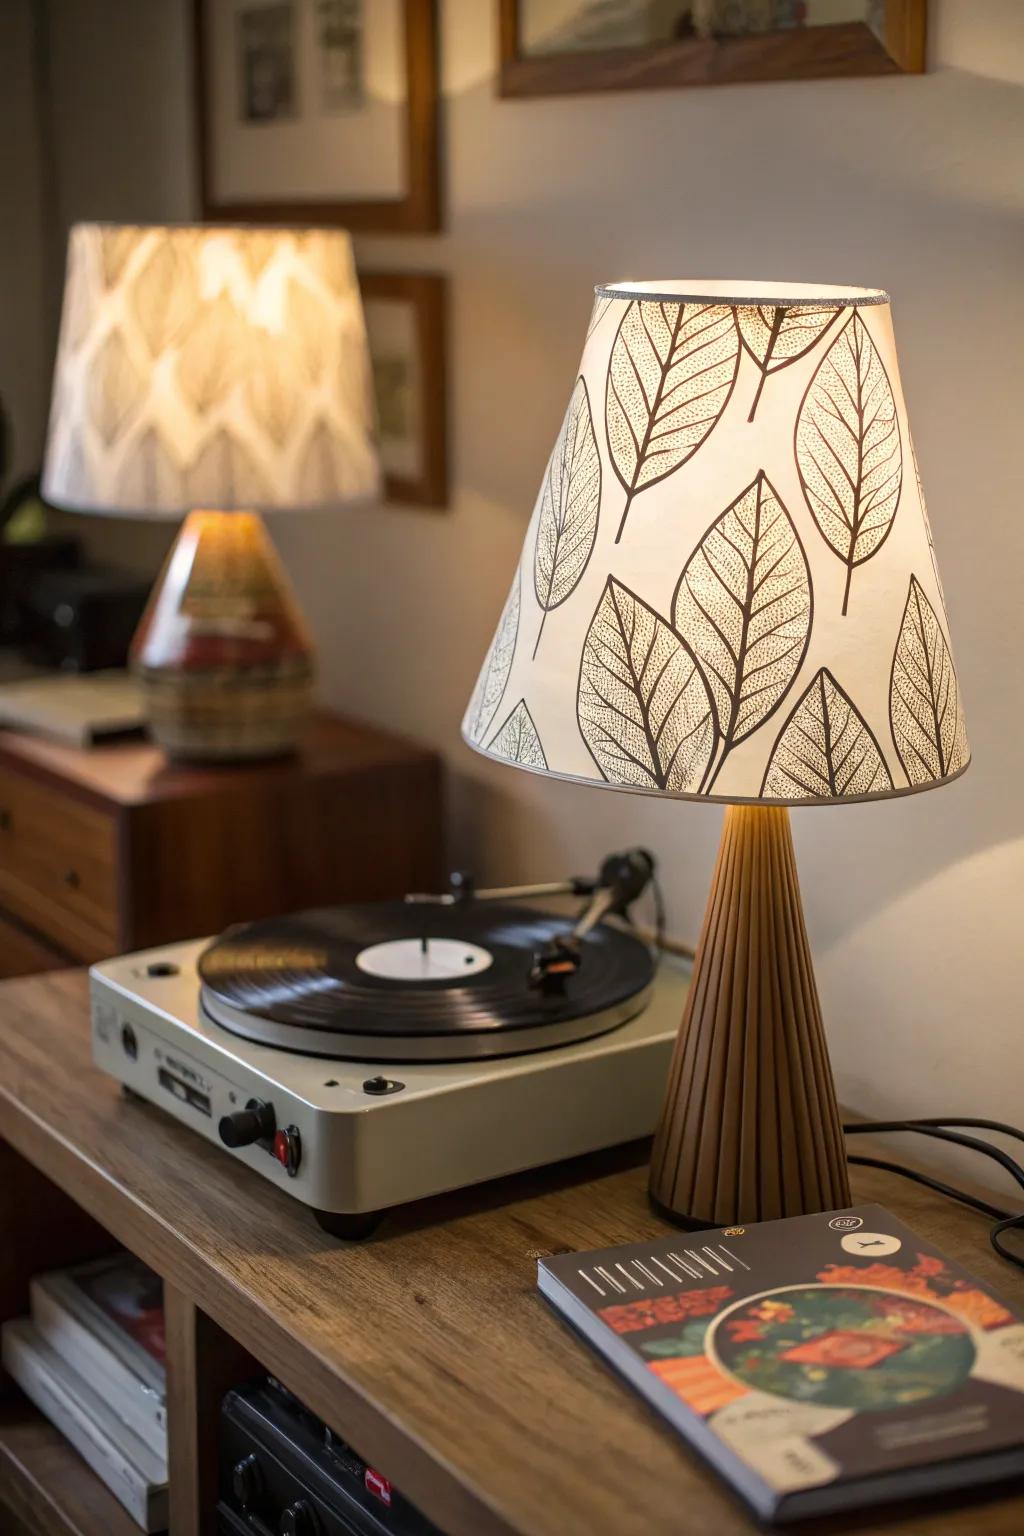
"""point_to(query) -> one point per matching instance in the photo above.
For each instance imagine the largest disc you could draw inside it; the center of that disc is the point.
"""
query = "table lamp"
(728, 592)
(214, 373)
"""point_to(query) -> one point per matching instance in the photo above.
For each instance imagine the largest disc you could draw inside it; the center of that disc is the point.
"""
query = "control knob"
(243, 1127)
(247, 1482)
(299, 1519)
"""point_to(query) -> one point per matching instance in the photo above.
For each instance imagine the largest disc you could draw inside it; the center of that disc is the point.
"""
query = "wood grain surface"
(45, 1487)
(750, 1128)
(427, 1347)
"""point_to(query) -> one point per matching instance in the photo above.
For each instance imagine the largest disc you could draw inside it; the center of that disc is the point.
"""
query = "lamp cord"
(940, 1128)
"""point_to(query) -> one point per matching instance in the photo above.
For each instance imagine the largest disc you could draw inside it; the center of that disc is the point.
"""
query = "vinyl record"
(402, 981)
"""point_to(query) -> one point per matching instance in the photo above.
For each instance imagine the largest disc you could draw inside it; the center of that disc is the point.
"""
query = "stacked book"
(91, 1358)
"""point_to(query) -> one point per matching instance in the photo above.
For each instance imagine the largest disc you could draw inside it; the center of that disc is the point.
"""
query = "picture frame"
(279, 90)
(797, 52)
(406, 320)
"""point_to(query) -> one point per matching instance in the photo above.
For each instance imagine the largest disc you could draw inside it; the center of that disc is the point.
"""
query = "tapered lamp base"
(750, 1129)
(222, 654)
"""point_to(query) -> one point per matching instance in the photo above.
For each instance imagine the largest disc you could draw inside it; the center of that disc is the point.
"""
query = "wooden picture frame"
(416, 210)
(798, 53)
(426, 295)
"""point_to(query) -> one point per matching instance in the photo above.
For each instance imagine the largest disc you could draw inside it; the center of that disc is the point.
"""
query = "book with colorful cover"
(819, 1363)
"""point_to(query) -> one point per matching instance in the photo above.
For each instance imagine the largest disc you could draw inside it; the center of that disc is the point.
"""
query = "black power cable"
(940, 1127)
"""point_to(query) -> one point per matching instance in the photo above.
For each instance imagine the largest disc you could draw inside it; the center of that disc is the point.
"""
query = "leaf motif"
(776, 336)
(517, 739)
(337, 464)
(212, 356)
(224, 476)
(601, 305)
(826, 750)
(309, 324)
(744, 604)
(151, 479)
(924, 698)
(569, 506)
(330, 255)
(256, 247)
(643, 707)
(115, 388)
(927, 526)
(272, 386)
(165, 294)
(848, 450)
(490, 685)
(117, 242)
(670, 375)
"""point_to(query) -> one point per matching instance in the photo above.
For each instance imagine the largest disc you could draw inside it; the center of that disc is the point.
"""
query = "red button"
(377, 1485)
(282, 1151)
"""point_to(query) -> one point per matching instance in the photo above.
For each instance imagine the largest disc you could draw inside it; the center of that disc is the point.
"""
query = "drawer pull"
(72, 878)
(6, 820)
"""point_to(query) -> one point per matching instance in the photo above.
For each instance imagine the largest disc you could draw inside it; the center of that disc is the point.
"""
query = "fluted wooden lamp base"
(750, 1128)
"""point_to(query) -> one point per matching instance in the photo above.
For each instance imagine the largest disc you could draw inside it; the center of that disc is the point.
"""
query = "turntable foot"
(353, 1228)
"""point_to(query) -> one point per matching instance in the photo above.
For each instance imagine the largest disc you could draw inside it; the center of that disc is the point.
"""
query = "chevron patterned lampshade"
(203, 366)
(728, 592)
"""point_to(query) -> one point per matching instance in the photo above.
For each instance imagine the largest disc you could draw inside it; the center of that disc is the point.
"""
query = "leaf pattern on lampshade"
(671, 372)
(724, 602)
(517, 740)
(776, 336)
(744, 602)
(305, 325)
(569, 506)
(212, 357)
(164, 296)
(826, 750)
(733, 592)
(924, 697)
(188, 349)
(643, 707)
(848, 449)
(117, 245)
(490, 685)
(153, 474)
(225, 465)
(115, 388)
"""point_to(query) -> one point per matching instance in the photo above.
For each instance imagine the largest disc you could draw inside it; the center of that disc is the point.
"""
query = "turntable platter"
(399, 981)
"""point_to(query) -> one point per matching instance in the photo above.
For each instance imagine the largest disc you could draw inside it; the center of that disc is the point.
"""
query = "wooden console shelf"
(46, 1488)
(427, 1347)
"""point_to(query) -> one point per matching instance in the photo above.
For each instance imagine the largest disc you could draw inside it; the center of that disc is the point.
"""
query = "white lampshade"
(203, 366)
(728, 589)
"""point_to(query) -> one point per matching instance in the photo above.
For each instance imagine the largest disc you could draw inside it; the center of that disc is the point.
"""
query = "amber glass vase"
(223, 655)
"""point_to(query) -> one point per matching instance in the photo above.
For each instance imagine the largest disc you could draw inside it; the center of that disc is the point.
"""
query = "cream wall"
(911, 184)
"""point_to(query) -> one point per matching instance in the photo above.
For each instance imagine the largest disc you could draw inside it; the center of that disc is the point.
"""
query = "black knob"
(256, 1122)
(247, 1482)
(299, 1519)
(129, 1041)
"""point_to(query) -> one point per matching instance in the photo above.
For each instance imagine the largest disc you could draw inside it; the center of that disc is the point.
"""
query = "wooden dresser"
(115, 849)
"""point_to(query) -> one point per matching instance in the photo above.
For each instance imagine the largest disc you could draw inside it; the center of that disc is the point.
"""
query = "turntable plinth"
(427, 1347)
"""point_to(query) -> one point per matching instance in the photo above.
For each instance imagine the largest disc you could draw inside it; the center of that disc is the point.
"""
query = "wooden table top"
(428, 1347)
(137, 772)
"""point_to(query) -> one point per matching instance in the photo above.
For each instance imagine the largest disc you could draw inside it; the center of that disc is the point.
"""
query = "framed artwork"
(318, 112)
(553, 47)
(405, 322)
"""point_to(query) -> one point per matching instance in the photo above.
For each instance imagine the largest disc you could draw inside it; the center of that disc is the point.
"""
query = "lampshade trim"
(741, 296)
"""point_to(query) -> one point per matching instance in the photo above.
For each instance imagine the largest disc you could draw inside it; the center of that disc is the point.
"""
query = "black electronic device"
(82, 619)
(284, 1473)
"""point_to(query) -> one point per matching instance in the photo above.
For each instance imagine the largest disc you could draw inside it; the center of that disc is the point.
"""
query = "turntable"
(362, 1057)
